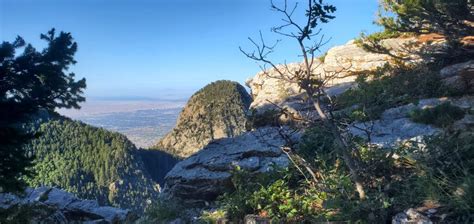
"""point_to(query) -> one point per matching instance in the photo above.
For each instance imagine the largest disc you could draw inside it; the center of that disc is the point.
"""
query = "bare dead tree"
(309, 39)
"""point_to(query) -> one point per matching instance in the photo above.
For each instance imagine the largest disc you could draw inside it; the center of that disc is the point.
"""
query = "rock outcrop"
(395, 126)
(459, 77)
(216, 111)
(207, 174)
(343, 59)
(51, 205)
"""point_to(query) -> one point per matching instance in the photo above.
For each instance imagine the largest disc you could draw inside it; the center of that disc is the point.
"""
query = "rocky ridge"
(269, 92)
(395, 126)
(342, 62)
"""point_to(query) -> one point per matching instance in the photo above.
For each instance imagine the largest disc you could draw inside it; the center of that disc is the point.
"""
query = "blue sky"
(166, 48)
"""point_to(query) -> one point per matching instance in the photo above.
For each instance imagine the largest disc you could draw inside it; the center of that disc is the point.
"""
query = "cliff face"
(348, 60)
(344, 60)
(216, 111)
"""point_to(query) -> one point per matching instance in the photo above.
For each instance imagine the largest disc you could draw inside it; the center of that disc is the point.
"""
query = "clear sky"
(166, 48)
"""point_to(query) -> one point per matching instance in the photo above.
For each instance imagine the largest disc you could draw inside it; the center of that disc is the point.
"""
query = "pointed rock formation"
(216, 111)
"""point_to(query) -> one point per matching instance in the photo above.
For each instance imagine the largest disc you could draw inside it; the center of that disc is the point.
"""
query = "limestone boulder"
(207, 174)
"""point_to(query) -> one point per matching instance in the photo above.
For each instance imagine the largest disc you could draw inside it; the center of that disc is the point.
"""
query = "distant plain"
(143, 121)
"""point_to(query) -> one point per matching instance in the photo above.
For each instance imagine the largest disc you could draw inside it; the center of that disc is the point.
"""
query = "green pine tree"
(29, 82)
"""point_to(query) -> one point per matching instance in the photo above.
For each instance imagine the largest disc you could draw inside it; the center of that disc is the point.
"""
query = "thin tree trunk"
(342, 147)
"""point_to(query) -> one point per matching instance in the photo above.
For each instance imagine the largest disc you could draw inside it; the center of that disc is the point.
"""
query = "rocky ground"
(51, 205)
(206, 174)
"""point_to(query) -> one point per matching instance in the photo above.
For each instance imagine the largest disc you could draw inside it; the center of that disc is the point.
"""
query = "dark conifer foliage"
(92, 163)
(30, 81)
(453, 18)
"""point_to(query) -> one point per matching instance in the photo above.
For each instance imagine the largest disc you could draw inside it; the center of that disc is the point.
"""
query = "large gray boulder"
(207, 174)
(52, 205)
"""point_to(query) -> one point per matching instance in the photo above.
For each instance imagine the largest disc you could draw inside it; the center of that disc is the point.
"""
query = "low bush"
(442, 115)
(287, 196)
(365, 41)
(387, 87)
(322, 58)
(163, 211)
(211, 217)
(238, 203)
(445, 172)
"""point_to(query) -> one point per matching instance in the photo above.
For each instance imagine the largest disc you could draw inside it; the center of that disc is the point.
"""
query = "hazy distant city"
(143, 121)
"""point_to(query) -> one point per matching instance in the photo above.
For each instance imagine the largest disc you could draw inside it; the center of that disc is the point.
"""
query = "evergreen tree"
(30, 82)
(452, 18)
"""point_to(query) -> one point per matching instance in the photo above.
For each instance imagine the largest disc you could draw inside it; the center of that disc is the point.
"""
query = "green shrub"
(387, 87)
(323, 57)
(447, 167)
(163, 210)
(317, 147)
(238, 203)
(442, 115)
(282, 196)
(365, 41)
(209, 217)
(276, 200)
(286, 196)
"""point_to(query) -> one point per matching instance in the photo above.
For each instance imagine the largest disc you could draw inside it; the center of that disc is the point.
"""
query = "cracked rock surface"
(207, 174)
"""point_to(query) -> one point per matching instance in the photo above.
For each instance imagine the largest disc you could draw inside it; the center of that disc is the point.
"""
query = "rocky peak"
(216, 111)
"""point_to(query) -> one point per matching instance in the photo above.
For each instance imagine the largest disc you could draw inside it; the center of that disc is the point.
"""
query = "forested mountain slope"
(91, 162)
